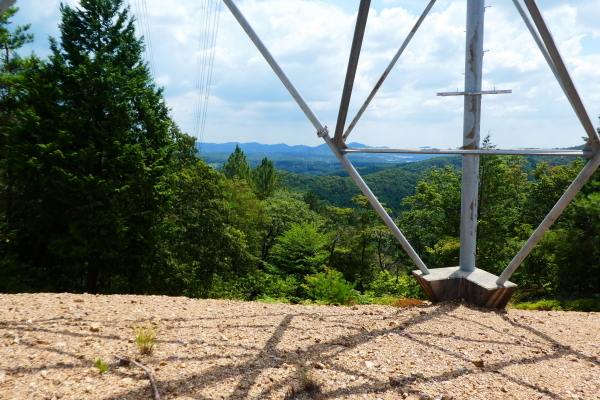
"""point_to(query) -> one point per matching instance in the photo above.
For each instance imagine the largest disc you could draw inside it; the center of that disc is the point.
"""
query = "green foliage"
(201, 240)
(391, 184)
(228, 287)
(12, 69)
(281, 210)
(102, 368)
(444, 253)
(265, 179)
(585, 305)
(94, 157)
(434, 210)
(330, 288)
(145, 339)
(111, 195)
(274, 286)
(236, 165)
(300, 250)
(398, 286)
(503, 190)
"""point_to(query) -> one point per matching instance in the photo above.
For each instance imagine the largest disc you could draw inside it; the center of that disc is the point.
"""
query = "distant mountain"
(300, 159)
(254, 147)
(320, 161)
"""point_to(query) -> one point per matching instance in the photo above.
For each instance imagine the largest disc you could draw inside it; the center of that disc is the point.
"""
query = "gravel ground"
(218, 349)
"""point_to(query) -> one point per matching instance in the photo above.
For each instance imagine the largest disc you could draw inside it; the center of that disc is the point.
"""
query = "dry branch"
(148, 372)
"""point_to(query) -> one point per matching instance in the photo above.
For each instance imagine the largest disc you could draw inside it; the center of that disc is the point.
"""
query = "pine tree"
(236, 165)
(94, 156)
(12, 68)
(265, 179)
(11, 73)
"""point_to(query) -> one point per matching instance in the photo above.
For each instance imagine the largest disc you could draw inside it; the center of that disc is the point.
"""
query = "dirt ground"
(218, 349)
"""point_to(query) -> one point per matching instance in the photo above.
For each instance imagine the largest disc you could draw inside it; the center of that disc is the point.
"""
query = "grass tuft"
(308, 386)
(102, 368)
(146, 339)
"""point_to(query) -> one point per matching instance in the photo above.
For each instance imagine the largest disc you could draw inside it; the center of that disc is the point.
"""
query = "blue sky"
(311, 41)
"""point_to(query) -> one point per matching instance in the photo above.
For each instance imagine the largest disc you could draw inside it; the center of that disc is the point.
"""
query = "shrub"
(585, 305)
(330, 288)
(275, 287)
(402, 286)
(582, 305)
(543, 305)
(228, 288)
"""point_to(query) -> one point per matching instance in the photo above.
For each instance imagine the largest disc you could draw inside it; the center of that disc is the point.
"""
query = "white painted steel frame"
(323, 132)
(470, 149)
(359, 33)
(5, 5)
(485, 152)
(389, 68)
(471, 125)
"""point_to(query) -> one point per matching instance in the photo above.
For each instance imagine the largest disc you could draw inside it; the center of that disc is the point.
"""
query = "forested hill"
(317, 161)
(100, 192)
(390, 183)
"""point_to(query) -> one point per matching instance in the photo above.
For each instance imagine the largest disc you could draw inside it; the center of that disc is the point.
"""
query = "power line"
(210, 70)
(140, 13)
(209, 22)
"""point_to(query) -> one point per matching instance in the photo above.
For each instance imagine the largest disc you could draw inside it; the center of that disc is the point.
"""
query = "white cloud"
(311, 40)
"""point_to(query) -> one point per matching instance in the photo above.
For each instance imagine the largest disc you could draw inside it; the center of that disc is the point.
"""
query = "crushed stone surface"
(220, 349)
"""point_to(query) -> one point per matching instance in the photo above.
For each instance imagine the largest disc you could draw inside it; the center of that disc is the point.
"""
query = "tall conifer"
(95, 153)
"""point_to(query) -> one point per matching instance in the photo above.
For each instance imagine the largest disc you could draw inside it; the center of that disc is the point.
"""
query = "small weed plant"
(146, 338)
(307, 385)
(102, 368)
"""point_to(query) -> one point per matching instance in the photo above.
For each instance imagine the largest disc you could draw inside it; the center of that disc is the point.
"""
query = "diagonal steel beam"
(323, 132)
(269, 58)
(5, 5)
(388, 69)
(562, 203)
(563, 73)
(538, 40)
(359, 33)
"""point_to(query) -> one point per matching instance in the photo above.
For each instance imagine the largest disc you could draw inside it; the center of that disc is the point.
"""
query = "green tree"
(94, 155)
(202, 241)
(12, 68)
(300, 250)
(11, 90)
(432, 223)
(265, 179)
(10, 42)
(236, 165)
(282, 210)
(503, 188)
(247, 213)
(565, 262)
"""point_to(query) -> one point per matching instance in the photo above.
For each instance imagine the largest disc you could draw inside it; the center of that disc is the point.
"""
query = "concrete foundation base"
(478, 287)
